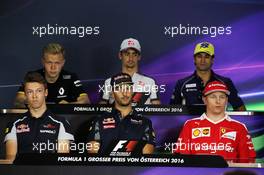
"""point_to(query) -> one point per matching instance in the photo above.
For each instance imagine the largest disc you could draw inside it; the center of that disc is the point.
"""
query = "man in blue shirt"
(188, 91)
(122, 123)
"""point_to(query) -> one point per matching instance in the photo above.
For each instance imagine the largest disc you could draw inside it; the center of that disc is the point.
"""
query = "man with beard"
(188, 91)
(122, 123)
(145, 88)
(38, 126)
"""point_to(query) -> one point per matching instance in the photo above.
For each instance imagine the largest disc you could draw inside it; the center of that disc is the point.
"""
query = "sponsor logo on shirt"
(248, 136)
(22, 128)
(141, 83)
(229, 135)
(201, 132)
(109, 120)
(49, 126)
(66, 77)
(48, 131)
(190, 85)
(109, 123)
(206, 131)
(189, 90)
(77, 83)
(137, 122)
(108, 126)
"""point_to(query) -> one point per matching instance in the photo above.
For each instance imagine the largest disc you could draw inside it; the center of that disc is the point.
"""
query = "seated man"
(122, 123)
(145, 91)
(215, 132)
(64, 87)
(38, 125)
(188, 91)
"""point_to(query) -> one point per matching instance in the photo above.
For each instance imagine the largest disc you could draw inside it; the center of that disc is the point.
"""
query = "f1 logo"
(122, 143)
(119, 145)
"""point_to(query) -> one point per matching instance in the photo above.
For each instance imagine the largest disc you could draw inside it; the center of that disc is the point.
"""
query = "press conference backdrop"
(92, 31)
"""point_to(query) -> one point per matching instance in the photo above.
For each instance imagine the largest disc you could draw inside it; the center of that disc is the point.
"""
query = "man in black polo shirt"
(188, 91)
(38, 131)
(122, 123)
(63, 86)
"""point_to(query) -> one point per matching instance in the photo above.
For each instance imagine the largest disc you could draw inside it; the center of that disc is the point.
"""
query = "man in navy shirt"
(38, 131)
(188, 91)
(122, 123)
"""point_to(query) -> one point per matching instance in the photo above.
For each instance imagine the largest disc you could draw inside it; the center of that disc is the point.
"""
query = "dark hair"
(32, 77)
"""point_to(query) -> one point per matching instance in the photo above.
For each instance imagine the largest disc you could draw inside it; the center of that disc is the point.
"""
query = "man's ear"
(212, 60)
(120, 56)
(64, 62)
(112, 95)
(204, 100)
(139, 57)
(46, 92)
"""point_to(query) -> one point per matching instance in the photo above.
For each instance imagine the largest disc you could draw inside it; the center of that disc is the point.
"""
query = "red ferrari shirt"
(227, 137)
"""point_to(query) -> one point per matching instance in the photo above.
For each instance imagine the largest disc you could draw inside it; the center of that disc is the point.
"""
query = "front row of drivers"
(212, 133)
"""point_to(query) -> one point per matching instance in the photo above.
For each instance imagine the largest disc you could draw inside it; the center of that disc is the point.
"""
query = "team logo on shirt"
(109, 123)
(223, 130)
(227, 133)
(49, 126)
(22, 128)
(201, 132)
(61, 91)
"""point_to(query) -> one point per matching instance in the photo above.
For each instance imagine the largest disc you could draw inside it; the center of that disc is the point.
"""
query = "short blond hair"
(53, 48)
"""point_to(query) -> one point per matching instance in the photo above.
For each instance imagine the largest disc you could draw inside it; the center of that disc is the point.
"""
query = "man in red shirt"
(215, 132)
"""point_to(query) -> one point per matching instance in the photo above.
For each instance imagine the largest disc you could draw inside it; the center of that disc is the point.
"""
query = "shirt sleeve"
(94, 131)
(10, 132)
(65, 132)
(154, 92)
(176, 97)
(106, 89)
(149, 134)
(233, 98)
(245, 146)
(183, 140)
(77, 87)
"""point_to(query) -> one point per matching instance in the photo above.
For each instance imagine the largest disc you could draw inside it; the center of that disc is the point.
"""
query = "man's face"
(123, 94)
(35, 94)
(129, 57)
(203, 61)
(216, 102)
(53, 64)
